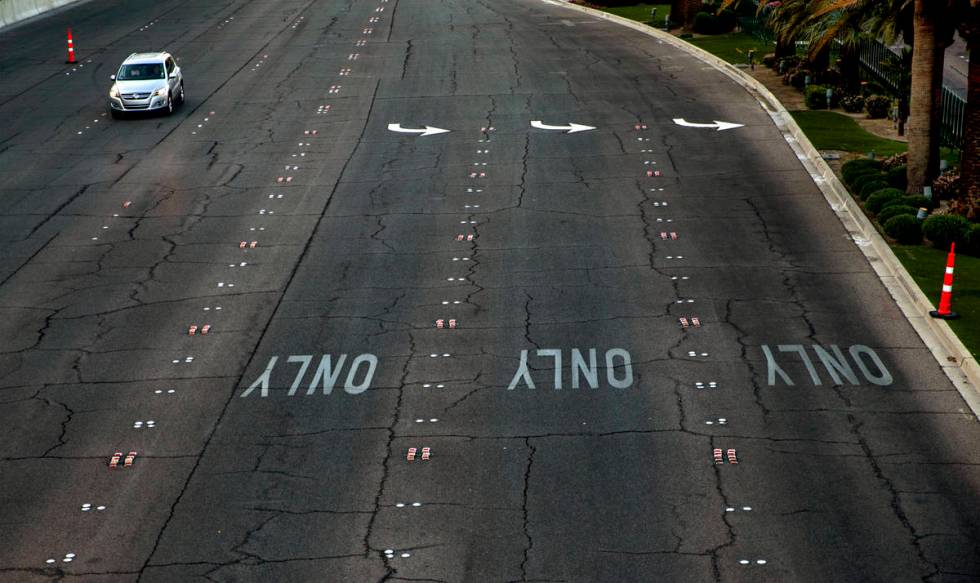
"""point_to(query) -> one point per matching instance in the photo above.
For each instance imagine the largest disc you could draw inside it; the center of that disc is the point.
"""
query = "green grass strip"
(927, 266)
(733, 47)
(833, 131)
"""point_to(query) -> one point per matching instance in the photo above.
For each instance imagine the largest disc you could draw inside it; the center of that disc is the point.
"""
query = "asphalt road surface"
(569, 418)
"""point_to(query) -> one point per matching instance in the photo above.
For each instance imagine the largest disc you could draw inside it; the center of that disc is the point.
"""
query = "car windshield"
(140, 72)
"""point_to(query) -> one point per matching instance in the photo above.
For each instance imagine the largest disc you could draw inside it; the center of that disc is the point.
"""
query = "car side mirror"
(113, 77)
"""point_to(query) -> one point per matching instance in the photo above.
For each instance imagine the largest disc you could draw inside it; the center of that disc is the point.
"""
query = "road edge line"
(952, 356)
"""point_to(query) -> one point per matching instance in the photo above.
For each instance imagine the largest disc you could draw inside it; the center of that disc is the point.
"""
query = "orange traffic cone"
(71, 49)
(945, 310)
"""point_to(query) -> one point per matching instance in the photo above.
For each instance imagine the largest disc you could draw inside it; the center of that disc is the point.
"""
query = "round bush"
(893, 211)
(971, 244)
(877, 201)
(871, 187)
(727, 19)
(897, 177)
(860, 163)
(815, 97)
(900, 201)
(877, 106)
(869, 176)
(852, 103)
(945, 229)
(904, 228)
(852, 177)
(854, 168)
(917, 200)
(705, 23)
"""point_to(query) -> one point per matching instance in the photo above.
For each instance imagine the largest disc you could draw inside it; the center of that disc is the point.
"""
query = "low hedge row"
(884, 197)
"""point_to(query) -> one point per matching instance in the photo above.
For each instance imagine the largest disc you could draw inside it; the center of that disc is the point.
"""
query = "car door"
(172, 79)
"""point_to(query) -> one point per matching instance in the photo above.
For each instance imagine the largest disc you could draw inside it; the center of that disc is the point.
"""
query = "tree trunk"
(820, 61)
(927, 78)
(903, 114)
(970, 154)
(682, 12)
(785, 48)
(850, 67)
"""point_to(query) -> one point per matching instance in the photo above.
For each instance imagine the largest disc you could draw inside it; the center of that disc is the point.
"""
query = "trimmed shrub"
(870, 88)
(945, 229)
(877, 106)
(893, 211)
(897, 177)
(727, 20)
(870, 187)
(971, 244)
(789, 62)
(917, 200)
(852, 104)
(904, 228)
(862, 179)
(705, 23)
(868, 174)
(851, 177)
(797, 77)
(850, 169)
(900, 159)
(946, 186)
(815, 97)
(877, 201)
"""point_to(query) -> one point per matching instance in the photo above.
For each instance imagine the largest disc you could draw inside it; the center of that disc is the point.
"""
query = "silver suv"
(146, 82)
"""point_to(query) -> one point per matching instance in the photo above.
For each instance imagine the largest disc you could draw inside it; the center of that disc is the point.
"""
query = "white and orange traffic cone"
(71, 49)
(945, 310)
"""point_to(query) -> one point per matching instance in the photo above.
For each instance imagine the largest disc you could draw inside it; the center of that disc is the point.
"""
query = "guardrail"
(12, 11)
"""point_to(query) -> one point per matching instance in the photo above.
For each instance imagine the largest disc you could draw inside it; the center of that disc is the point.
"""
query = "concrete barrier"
(12, 11)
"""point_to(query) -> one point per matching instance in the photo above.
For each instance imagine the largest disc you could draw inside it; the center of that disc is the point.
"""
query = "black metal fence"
(874, 56)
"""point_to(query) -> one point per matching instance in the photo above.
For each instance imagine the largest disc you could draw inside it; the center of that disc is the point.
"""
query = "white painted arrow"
(720, 125)
(570, 128)
(428, 131)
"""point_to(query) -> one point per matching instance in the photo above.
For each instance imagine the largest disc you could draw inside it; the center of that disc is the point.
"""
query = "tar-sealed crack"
(525, 513)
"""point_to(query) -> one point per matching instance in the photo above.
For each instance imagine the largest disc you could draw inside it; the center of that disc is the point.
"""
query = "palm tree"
(933, 33)
(969, 27)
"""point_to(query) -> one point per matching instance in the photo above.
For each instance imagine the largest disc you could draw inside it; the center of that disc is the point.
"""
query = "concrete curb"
(13, 11)
(953, 357)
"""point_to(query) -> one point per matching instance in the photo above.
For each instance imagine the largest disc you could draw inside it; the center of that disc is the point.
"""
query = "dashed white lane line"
(87, 507)
(69, 557)
(390, 553)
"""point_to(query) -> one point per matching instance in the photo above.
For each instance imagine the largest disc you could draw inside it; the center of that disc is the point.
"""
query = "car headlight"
(160, 92)
(114, 92)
